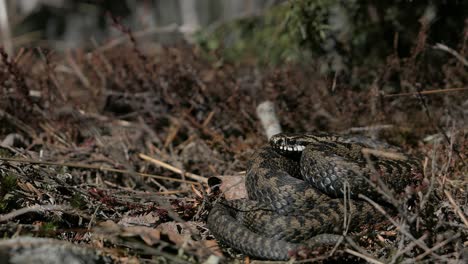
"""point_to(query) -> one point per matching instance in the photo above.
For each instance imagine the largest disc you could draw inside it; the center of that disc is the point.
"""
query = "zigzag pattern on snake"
(295, 189)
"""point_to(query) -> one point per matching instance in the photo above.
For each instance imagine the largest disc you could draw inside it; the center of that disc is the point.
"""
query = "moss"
(49, 227)
(6, 153)
(77, 201)
(8, 183)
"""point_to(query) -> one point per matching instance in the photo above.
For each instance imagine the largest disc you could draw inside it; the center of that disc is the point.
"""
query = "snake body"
(296, 186)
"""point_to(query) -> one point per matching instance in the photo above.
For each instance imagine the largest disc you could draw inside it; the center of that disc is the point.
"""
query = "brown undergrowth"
(113, 148)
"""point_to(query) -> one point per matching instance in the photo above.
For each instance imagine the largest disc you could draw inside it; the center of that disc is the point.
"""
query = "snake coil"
(295, 188)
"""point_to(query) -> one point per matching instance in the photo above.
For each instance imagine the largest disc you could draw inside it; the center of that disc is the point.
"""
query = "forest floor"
(114, 149)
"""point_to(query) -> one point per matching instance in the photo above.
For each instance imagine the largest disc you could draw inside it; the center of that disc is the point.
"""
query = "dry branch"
(174, 169)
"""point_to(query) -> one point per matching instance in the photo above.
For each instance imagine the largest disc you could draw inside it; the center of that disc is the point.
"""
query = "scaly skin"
(295, 186)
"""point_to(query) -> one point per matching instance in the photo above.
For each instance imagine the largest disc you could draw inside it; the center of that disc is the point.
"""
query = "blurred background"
(69, 23)
(99, 82)
(265, 31)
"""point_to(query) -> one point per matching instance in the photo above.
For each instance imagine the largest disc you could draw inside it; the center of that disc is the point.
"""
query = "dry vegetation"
(112, 149)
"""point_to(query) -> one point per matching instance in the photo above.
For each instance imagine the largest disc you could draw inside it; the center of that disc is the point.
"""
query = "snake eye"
(276, 140)
(279, 142)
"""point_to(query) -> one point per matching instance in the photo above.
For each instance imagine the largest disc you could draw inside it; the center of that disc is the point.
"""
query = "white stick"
(5, 33)
(267, 115)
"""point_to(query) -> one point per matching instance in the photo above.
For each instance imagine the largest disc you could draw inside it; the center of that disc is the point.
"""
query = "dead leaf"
(213, 246)
(149, 219)
(233, 187)
(108, 226)
(150, 236)
(176, 233)
(34, 190)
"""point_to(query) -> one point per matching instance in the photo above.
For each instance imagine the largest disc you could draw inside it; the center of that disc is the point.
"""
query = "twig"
(172, 134)
(435, 91)
(432, 249)
(384, 154)
(370, 128)
(56, 134)
(18, 123)
(211, 28)
(347, 204)
(155, 30)
(437, 125)
(34, 208)
(93, 217)
(49, 68)
(409, 247)
(379, 186)
(104, 60)
(206, 130)
(78, 72)
(427, 195)
(365, 257)
(357, 248)
(208, 119)
(440, 46)
(456, 208)
(309, 260)
(399, 227)
(86, 166)
(172, 168)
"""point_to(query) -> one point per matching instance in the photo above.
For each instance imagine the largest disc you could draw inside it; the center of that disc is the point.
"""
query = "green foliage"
(77, 201)
(262, 39)
(337, 32)
(288, 32)
(7, 185)
(4, 152)
(308, 22)
(48, 227)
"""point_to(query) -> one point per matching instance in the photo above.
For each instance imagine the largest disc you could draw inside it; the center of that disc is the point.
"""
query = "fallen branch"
(174, 169)
(456, 208)
(365, 257)
(435, 91)
(86, 166)
(34, 209)
(401, 228)
(440, 46)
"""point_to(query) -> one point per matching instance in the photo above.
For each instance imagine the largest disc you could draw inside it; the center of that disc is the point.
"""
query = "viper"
(304, 190)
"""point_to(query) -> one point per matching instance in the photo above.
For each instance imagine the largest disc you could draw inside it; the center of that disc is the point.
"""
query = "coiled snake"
(296, 186)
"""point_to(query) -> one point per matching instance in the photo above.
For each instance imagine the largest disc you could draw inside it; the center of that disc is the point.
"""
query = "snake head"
(295, 142)
(288, 142)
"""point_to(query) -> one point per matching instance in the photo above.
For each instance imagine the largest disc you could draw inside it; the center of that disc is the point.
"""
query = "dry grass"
(118, 145)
